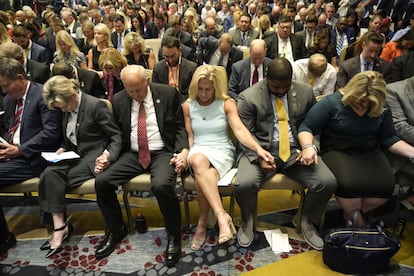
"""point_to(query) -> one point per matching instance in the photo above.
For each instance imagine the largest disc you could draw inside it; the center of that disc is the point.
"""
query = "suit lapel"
(81, 112)
(267, 106)
(159, 111)
(410, 91)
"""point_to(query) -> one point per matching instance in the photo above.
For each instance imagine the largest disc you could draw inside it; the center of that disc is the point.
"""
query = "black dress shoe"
(65, 238)
(173, 251)
(46, 244)
(112, 238)
(8, 242)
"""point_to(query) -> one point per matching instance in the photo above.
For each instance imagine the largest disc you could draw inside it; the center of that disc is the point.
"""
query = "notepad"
(54, 157)
(227, 178)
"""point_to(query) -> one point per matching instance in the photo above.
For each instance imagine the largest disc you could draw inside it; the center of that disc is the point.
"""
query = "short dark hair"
(170, 42)
(284, 19)
(374, 38)
(62, 68)
(311, 19)
(119, 17)
(279, 69)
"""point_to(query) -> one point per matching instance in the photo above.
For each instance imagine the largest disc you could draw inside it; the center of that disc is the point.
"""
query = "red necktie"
(144, 156)
(255, 76)
(16, 120)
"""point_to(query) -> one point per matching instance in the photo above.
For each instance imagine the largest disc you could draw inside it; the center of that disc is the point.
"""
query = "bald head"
(136, 80)
(257, 51)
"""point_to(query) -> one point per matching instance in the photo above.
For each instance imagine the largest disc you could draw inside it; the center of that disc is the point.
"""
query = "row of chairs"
(142, 183)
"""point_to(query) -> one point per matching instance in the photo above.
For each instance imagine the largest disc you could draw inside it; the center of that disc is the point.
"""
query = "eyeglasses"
(170, 57)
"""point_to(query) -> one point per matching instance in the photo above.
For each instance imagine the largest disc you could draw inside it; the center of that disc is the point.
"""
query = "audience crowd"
(182, 77)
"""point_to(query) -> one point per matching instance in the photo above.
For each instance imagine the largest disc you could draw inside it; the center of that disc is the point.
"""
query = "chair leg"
(186, 212)
(128, 211)
(300, 210)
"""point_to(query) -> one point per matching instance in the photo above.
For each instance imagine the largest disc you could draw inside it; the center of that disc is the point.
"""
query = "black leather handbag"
(354, 251)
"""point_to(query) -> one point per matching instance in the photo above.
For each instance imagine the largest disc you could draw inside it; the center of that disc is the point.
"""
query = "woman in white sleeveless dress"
(209, 113)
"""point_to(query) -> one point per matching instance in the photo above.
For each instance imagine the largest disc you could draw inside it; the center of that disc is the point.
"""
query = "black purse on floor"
(355, 251)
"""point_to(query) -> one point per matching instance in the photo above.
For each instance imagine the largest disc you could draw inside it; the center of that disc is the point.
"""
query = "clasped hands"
(307, 156)
(102, 162)
(179, 161)
(8, 151)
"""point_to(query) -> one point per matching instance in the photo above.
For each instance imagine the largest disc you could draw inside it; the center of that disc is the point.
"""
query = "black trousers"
(162, 186)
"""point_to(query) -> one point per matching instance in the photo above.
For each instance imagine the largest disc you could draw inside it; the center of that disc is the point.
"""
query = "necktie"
(340, 44)
(366, 66)
(255, 77)
(16, 120)
(282, 122)
(243, 39)
(311, 81)
(309, 43)
(119, 44)
(144, 156)
(220, 62)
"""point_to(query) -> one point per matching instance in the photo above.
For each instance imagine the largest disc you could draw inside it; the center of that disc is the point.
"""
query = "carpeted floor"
(142, 254)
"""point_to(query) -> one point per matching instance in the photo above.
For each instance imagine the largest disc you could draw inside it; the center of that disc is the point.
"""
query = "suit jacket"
(49, 42)
(206, 48)
(36, 71)
(169, 115)
(400, 98)
(401, 67)
(40, 128)
(187, 69)
(39, 53)
(96, 131)
(90, 82)
(186, 39)
(152, 31)
(256, 111)
(298, 46)
(240, 76)
(350, 35)
(352, 66)
(114, 38)
(236, 34)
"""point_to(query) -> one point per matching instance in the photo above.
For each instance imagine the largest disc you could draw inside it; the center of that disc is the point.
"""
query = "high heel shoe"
(46, 244)
(196, 244)
(225, 237)
(65, 238)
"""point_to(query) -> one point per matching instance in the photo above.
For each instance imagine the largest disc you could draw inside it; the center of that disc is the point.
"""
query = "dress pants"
(4, 230)
(58, 179)
(319, 180)
(15, 170)
(162, 186)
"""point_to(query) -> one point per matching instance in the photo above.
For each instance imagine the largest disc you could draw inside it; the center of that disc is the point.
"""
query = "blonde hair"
(65, 37)
(59, 89)
(103, 29)
(369, 84)
(217, 74)
(317, 64)
(132, 39)
(111, 57)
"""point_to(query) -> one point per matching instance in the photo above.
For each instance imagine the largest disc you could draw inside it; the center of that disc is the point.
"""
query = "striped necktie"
(16, 120)
(340, 44)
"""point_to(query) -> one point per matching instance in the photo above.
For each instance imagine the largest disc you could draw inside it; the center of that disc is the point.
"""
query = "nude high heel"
(196, 244)
(225, 237)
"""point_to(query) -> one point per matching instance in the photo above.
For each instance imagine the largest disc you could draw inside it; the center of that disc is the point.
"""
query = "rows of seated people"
(289, 48)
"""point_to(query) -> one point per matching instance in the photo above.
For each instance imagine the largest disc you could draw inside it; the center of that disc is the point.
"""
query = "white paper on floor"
(279, 242)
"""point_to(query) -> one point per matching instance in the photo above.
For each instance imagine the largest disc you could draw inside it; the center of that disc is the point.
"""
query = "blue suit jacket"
(39, 53)
(350, 34)
(40, 129)
(240, 76)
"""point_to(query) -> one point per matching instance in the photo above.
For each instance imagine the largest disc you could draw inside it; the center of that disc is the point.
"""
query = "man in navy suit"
(163, 144)
(117, 36)
(35, 130)
(242, 72)
(32, 50)
(157, 28)
(342, 36)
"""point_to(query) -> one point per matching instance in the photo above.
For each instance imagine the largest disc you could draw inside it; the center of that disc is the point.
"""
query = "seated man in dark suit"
(174, 70)
(401, 67)
(186, 51)
(157, 28)
(220, 52)
(32, 50)
(35, 71)
(89, 80)
(367, 60)
(250, 70)
(285, 44)
(154, 140)
(30, 128)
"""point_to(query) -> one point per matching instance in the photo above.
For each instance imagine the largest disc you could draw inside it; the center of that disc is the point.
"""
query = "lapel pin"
(157, 101)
